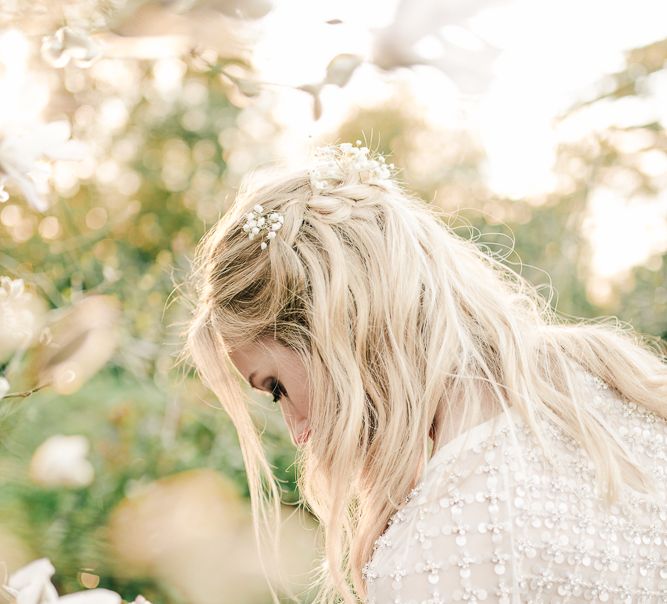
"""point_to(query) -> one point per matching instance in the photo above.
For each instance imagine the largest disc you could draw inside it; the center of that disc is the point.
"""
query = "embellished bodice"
(502, 525)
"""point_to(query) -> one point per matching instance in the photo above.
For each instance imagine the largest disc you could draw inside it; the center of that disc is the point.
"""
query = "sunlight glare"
(24, 94)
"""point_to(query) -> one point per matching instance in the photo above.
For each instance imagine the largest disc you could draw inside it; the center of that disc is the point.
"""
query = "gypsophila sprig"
(333, 162)
(331, 166)
(257, 221)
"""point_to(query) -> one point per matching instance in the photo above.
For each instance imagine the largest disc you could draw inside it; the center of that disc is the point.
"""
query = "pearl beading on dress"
(543, 535)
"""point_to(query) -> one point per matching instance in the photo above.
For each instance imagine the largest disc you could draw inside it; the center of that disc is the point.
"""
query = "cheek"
(299, 407)
(295, 416)
(294, 423)
(292, 411)
(298, 404)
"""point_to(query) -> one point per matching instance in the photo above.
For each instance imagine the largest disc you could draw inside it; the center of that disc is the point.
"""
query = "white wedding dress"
(488, 530)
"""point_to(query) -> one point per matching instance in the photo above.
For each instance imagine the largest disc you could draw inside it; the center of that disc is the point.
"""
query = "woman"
(456, 440)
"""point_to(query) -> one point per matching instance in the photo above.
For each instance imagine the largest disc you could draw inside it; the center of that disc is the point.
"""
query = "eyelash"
(281, 391)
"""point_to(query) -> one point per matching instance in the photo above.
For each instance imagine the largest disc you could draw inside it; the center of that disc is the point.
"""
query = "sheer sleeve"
(509, 522)
(452, 543)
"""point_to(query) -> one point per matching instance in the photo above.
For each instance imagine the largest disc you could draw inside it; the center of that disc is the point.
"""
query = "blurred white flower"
(61, 461)
(140, 600)
(70, 44)
(4, 387)
(32, 585)
(21, 316)
(239, 9)
(187, 23)
(4, 196)
(91, 596)
(23, 146)
(425, 32)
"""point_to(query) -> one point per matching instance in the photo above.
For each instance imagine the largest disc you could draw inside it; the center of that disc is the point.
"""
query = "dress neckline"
(473, 435)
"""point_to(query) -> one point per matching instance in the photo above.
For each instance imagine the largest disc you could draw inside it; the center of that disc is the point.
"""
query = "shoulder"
(496, 516)
(451, 540)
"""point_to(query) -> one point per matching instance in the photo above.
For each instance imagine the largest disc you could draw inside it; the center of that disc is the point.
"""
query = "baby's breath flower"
(334, 162)
(257, 221)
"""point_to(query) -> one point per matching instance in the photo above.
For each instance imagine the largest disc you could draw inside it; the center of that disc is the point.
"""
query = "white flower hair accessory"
(330, 166)
(257, 221)
(333, 162)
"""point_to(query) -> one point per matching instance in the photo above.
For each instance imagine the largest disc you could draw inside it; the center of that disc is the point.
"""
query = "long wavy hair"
(405, 328)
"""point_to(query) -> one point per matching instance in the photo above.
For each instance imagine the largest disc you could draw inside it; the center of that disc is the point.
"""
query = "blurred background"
(125, 127)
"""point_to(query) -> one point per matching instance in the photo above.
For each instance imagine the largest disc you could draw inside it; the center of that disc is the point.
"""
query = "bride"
(457, 440)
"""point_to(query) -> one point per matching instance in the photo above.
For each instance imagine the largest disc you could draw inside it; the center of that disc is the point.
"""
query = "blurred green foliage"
(128, 232)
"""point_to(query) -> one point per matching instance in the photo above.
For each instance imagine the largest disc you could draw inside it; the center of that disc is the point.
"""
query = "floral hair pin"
(333, 162)
(257, 221)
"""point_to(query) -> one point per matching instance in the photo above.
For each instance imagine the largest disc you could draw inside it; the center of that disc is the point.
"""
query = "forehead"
(266, 350)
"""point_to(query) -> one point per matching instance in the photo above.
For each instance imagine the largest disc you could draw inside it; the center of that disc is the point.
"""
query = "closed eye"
(277, 389)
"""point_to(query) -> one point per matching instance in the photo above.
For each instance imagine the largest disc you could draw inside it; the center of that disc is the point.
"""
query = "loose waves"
(406, 330)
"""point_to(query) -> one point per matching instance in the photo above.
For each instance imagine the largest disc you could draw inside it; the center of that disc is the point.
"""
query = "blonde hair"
(403, 326)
